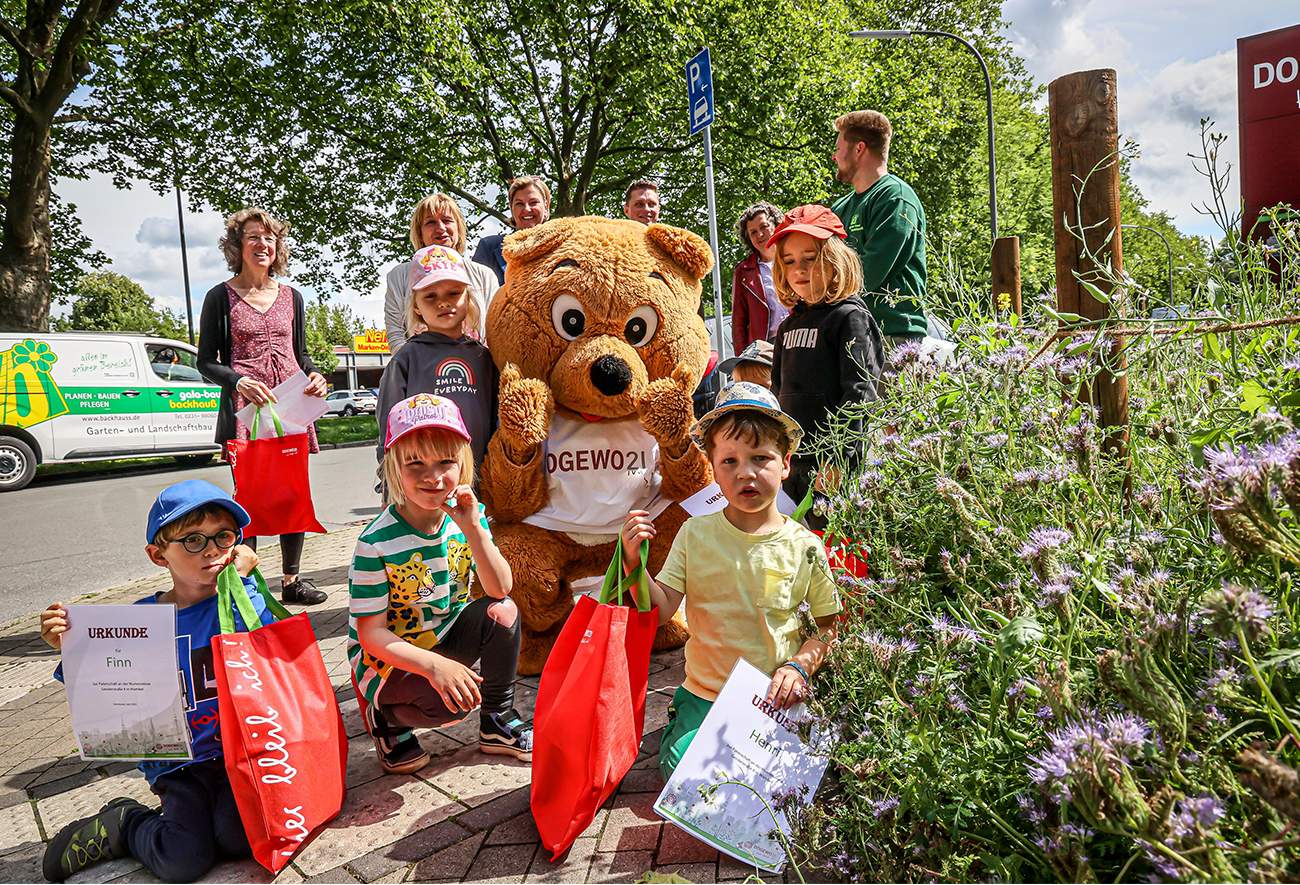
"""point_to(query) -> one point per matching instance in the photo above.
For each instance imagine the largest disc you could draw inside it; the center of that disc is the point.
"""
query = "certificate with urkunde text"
(752, 751)
(123, 682)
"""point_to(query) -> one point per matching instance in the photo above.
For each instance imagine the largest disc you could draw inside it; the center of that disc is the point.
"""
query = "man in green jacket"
(886, 225)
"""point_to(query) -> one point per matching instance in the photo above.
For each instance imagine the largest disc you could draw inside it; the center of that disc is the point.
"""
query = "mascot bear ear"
(691, 253)
(525, 245)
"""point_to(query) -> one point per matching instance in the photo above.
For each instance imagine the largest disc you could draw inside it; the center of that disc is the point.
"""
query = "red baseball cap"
(816, 221)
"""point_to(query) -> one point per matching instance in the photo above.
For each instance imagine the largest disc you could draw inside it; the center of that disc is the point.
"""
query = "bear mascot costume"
(600, 346)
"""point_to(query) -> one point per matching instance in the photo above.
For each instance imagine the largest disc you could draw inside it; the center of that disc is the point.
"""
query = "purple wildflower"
(1234, 608)
(884, 807)
(906, 354)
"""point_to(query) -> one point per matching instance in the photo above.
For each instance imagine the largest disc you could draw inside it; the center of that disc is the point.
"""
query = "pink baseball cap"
(434, 263)
(424, 410)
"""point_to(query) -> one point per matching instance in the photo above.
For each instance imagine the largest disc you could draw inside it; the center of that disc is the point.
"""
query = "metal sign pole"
(185, 264)
(713, 237)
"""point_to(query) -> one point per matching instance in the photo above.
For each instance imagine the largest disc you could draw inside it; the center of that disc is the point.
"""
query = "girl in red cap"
(829, 353)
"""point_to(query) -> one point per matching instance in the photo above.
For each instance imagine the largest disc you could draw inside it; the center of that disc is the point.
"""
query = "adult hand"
(54, 623)
(316, 385)
(455, 683)
(255, 392)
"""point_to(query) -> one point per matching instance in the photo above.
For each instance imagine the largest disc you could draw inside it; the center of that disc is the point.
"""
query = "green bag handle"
(616, 583)
(232, 594)
(257, 416)
(805, 505)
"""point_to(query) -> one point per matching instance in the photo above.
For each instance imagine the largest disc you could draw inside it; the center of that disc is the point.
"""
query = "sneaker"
(399, 750)
(88, 841)
(505, 734)
(303, 592)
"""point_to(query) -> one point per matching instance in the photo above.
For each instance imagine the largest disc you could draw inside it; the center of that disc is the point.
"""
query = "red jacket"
(749, 312)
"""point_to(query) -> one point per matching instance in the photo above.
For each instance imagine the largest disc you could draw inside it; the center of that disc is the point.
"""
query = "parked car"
(96, 396)
(349, 402)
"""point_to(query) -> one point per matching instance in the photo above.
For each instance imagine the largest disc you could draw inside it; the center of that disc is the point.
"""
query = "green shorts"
(684, 717)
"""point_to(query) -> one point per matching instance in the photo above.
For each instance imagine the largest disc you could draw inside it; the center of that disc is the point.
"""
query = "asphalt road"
(62, 537)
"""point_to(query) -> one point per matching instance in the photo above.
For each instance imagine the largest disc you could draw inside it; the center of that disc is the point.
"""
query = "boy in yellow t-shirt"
(743, 571)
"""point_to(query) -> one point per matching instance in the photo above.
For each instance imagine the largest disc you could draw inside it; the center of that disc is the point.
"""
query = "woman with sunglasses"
(253, 336)
(530, 205)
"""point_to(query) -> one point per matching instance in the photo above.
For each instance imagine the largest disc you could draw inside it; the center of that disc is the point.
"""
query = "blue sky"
(1175, 61)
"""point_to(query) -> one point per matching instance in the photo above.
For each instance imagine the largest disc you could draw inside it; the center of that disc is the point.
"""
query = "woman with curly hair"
(756, 311)
(253, 336)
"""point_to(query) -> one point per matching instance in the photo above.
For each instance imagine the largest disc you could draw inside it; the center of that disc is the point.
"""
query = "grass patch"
(114, 464)
(358, 428)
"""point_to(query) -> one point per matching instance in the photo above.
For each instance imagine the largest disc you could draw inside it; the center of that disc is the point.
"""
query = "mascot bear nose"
(611, 375)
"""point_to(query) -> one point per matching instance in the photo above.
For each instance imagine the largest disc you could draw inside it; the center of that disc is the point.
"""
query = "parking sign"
(699, 91)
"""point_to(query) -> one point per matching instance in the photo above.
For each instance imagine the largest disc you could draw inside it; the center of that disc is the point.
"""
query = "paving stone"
(473, 777)
(338, 874)
(352, 724)
(500, 863)
(374, 866)
(238, 872)
(656, 710)
(68, 765)
(732, 870)
(110, 870)
(501, 809)
(597, 823)
(668, 679)
(18, 829)
(642, 780)
(571, 867)
(57, 811)
(374, 815)
(450, 864)
(694, 872)
(679, 846)
(23, 864)
(619, 866)
(516, 831)
(632, 824)
(9, 798)
(64, 784)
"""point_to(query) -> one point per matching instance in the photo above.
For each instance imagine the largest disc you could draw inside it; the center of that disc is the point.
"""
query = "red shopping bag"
(844, 554)
(591, 705)
(281, 729)
(271, 481)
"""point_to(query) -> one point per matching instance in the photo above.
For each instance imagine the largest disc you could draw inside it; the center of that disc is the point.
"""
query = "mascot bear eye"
(568, 317)
(641, 326)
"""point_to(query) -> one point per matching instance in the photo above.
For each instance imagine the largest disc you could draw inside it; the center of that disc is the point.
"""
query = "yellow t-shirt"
(743, 592)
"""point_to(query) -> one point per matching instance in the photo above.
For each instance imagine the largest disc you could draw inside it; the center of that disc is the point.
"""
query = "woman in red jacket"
(755, 309)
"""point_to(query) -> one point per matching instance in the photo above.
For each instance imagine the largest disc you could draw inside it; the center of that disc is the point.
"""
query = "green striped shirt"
(420, 580)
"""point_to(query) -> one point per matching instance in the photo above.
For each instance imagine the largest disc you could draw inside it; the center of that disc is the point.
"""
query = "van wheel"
(17, 464)
(348, 411)
(194, 460)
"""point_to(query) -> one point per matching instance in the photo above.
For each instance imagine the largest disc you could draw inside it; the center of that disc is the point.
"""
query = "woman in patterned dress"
(253, 336)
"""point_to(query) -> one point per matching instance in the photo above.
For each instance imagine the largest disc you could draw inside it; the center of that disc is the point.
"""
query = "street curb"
(355, 444)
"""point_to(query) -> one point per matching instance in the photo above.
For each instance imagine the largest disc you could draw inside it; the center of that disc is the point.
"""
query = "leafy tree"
(321, 352)
(329, 325)
(109, 302)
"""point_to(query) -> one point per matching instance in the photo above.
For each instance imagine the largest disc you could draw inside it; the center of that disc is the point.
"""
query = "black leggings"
(197, 825)
(407, 700)
(290, 551)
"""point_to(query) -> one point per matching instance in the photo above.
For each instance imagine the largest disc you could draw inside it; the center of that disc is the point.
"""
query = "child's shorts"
(685, 715)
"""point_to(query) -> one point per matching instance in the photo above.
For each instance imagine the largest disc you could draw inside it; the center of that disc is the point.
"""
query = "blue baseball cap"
(185, 497)
(741, 396)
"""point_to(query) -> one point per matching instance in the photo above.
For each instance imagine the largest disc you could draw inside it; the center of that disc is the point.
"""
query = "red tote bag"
(591, 705)
(271, 481)
(281, 729)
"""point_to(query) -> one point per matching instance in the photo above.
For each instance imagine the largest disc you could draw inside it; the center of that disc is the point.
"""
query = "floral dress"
(261, 347)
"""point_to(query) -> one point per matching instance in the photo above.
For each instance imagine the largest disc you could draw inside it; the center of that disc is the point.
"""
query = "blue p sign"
(699, 91)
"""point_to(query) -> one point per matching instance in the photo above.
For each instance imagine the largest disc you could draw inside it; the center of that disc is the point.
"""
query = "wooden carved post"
(1004, 267)
(1085, 197)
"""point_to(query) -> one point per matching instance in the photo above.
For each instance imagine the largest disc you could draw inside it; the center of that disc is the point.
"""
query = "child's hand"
(455, 683)
(638, 527)
(245, 559)
(54, 623)
(787, 688)
(462, 506)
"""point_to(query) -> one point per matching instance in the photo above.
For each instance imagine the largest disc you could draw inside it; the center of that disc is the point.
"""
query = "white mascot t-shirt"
(598, 471)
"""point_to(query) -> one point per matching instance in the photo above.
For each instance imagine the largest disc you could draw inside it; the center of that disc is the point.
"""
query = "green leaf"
(1212, 348)
(1254, 397)
(1019, 633)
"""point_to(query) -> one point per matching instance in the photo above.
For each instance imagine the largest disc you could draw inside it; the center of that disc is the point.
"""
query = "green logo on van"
(28, 395)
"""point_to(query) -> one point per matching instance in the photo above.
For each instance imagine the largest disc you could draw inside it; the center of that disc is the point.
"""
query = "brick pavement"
(463, 818)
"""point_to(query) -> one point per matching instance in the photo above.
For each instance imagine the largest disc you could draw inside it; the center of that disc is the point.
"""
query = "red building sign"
(1268, 107)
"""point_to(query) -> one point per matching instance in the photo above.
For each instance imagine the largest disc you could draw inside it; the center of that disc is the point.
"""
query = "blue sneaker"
(505, 734)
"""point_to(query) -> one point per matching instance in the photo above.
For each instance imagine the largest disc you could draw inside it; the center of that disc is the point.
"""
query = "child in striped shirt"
(413, 632)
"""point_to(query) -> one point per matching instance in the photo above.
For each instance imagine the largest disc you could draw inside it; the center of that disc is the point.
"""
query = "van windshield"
(172, 363)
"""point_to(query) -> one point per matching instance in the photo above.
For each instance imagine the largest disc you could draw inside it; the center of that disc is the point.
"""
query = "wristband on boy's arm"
(801, 670)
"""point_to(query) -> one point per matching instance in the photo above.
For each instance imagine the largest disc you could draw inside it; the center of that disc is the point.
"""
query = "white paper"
(296, 409)
(742, 741)
(710, 500)
(123, 682)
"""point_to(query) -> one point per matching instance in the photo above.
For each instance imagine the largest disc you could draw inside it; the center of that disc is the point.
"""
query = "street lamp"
(1167, 246)
(988, 87)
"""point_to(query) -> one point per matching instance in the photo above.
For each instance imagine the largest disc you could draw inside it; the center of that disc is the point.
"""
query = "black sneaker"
(88, 841)
(505, 734)
(303, 592)
(399, 750)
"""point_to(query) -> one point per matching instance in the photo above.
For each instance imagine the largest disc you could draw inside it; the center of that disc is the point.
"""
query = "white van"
(94, 396)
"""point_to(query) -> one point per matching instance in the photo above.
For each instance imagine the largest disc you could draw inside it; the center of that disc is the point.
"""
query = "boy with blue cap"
(194, 531)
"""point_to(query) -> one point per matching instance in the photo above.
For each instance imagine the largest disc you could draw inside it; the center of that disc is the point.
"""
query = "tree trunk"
(25, 252)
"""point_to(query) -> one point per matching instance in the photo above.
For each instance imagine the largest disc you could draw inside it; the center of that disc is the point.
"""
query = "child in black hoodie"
(829, 352)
